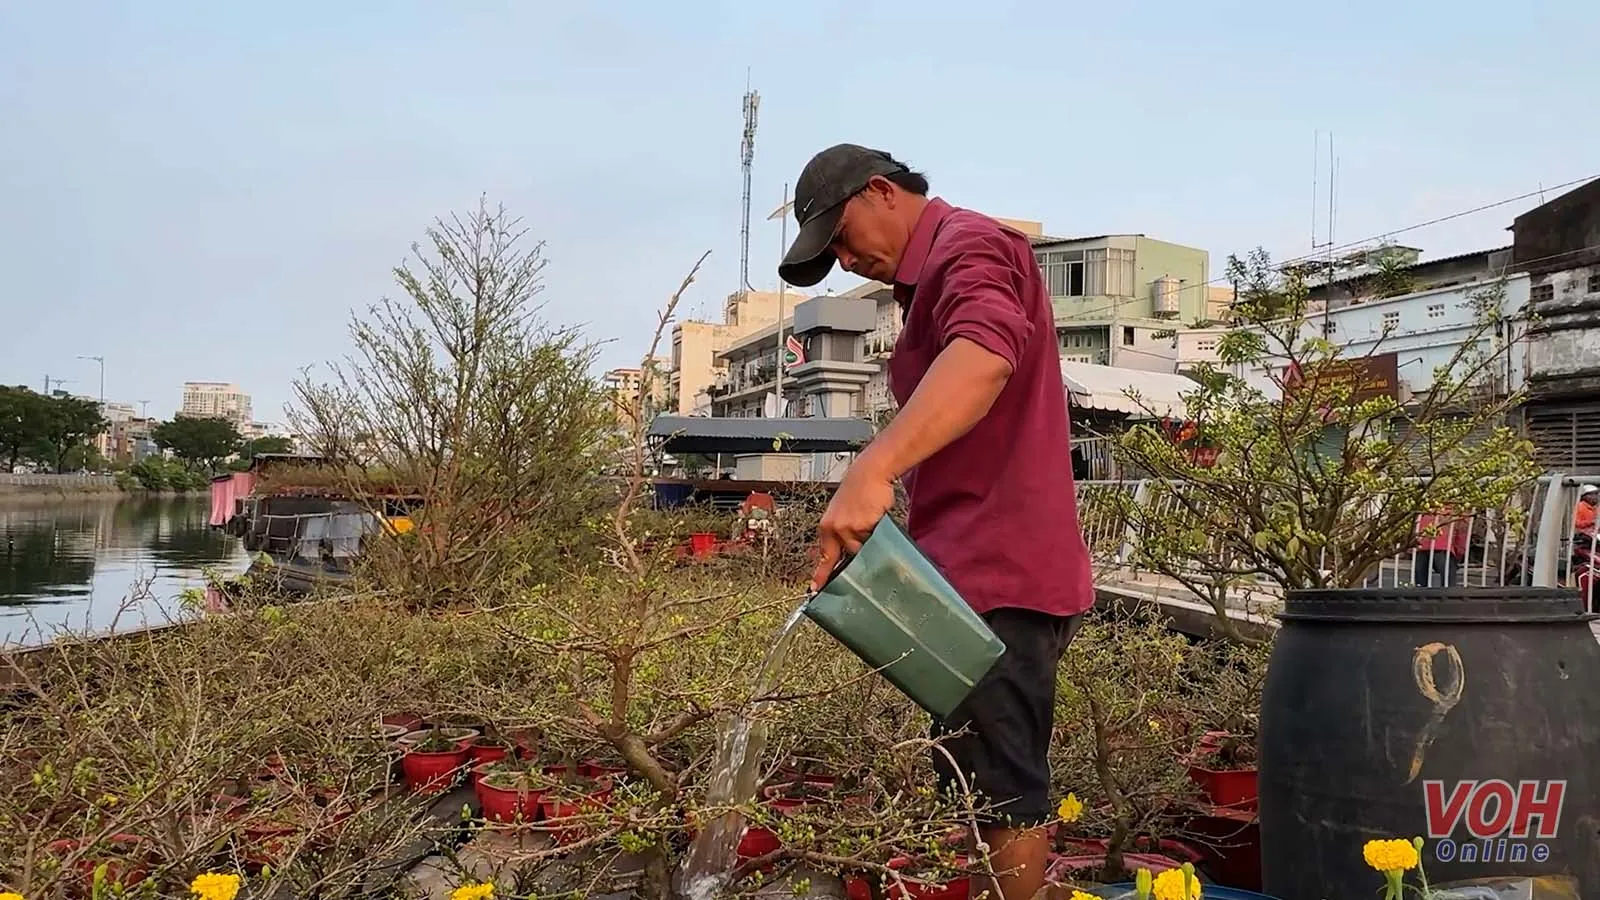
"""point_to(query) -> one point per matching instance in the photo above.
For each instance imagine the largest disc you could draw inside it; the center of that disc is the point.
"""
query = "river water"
(75, 564)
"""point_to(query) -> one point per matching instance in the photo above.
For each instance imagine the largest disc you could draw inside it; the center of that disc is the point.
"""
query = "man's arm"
(953, 396)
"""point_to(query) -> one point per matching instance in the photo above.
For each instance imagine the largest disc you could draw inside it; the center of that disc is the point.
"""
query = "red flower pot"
(1231, 845)
(124, 857)
(509, 804)
(777, 794)
(591, 768)
(408, 721)
(956, 889)
(481, 755)
(432, 773)
(562, 808)
(1232, 788)
(758, 842)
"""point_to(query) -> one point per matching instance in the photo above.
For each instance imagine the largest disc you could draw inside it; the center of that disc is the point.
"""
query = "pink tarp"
(225, 492)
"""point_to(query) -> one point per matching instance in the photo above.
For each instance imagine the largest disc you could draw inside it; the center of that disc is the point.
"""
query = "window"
(1329, 326)
(1594, 284)
(1435, 310)
(1541, 293)
(1127, 336)
(1088, 273)
(1391, 320)
(1119, 274)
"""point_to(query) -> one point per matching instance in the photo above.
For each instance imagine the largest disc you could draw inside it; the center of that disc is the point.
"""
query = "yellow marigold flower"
(10, 896)
(1076, 895)
(1070, 809)
(215, 886)
(1391, 856)
(1177, 884)
(484, 891)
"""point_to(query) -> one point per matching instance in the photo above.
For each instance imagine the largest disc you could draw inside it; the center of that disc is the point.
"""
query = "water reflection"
(72, 564)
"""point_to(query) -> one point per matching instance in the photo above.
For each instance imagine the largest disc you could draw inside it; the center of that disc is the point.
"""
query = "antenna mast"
(747, 154)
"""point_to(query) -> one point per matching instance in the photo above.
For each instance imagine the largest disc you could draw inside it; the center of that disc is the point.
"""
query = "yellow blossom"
(484, 891)
(215, 886)
(1076, 895)
(1177, 884)
(107, 800)
(1391, 856)
(1070, 809)
(1155, 725)
(10, 896)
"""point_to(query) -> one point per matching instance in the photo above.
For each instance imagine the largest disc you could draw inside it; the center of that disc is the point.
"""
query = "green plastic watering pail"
(891, 606)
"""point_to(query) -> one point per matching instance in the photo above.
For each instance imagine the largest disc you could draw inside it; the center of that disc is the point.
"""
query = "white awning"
(1110, 388)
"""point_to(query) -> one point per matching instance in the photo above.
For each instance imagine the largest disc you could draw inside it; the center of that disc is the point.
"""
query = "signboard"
(1366, 377)
(794, 353)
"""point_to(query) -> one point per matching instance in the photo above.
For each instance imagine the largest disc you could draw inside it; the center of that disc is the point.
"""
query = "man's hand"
(863, 498)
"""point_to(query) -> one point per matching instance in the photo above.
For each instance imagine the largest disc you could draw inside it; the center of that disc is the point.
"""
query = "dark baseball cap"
(828, 180)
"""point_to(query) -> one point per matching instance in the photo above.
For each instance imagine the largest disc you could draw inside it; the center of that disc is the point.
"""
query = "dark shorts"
(1008, 719)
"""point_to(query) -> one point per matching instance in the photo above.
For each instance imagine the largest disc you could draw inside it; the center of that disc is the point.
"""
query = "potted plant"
(571, 796)
(459, 736)
(926, 880)
(484, 750)
(433, 761)
(1226, 771)
(511, 791)
(409, 721)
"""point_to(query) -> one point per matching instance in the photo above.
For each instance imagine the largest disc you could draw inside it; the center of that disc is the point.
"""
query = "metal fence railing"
(1545, 536)
(70, 480)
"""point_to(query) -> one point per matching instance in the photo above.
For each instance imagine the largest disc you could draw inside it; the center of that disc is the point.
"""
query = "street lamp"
(782, 215)
(102, 361)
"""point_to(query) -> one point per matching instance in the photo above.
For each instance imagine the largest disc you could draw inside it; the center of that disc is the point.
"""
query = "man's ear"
(881, 190)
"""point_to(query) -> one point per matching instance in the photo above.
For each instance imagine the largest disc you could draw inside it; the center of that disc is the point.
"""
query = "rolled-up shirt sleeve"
(982, 298)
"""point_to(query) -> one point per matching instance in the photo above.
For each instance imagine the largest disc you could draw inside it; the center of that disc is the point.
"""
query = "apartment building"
(1118, 297)
(695, 345)
(622, 389)
(825, 378)
(215, 400)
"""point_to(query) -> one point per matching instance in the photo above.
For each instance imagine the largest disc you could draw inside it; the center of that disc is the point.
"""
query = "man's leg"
(1003, 755)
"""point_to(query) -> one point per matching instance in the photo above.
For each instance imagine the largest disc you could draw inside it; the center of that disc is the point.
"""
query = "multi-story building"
(827, 378)
(1404, 339)
(113, 413)
(695, 345)
(622, 389)
(1558, 245)
(215, 400)
(131, 440)
(1118, 297)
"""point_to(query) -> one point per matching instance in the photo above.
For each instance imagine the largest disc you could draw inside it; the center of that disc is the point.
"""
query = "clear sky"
(203, 191)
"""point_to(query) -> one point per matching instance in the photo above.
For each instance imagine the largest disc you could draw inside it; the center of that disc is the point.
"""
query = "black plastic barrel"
(1468, 717)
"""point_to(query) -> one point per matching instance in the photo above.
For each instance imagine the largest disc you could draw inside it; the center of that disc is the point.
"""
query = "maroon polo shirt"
(996, 509)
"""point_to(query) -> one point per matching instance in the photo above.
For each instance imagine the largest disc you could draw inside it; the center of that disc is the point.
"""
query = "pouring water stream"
(715, 850)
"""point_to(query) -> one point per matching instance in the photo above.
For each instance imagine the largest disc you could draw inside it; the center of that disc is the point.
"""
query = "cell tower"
(747, 154)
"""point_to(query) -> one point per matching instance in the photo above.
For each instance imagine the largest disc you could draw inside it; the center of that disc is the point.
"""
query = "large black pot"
(1468, 717)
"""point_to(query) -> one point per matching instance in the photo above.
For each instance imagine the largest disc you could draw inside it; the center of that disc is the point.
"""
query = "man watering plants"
(982, 445)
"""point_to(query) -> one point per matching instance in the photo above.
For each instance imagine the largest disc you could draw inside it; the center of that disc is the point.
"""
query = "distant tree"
(249, 450)
(21, 423)
(59, 425)
(1393, 277)
(198, 441)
